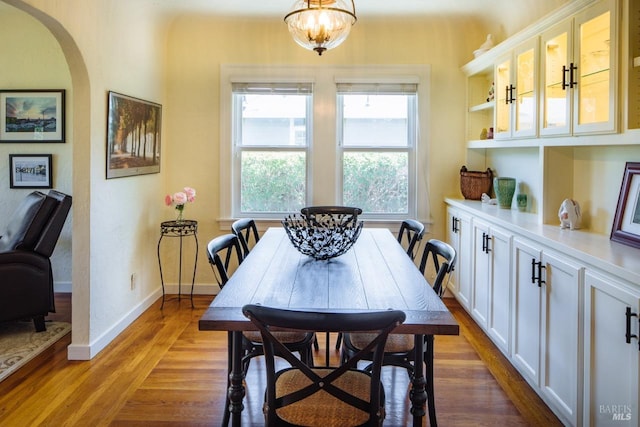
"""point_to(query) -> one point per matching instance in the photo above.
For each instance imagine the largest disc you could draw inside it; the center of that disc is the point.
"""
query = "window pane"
(376, 182)
(375, 120)
(272, 182)
(273, 120)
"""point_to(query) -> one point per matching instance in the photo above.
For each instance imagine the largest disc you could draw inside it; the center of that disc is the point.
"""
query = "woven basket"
(474, 183)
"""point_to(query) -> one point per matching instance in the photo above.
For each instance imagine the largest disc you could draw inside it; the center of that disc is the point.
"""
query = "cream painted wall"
(30, 49)
(116, 221)
(123, 46)
(198, 46)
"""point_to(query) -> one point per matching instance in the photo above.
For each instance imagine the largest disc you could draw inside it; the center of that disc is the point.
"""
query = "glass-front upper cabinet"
(579, 79)
(526, 102)
(516, 92)
(556, 45)
(504, 98)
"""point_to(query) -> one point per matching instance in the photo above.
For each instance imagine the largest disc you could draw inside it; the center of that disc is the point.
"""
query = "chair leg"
(38, 323)
(428, 358)
(339, 341)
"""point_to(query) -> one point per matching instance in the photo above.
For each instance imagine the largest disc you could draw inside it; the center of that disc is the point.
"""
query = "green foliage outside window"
(273, 182)
(376, 182)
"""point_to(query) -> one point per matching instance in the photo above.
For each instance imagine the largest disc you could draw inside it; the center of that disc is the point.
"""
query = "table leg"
(236, 388)
(431, 401)
(418, 394)
(227, 402)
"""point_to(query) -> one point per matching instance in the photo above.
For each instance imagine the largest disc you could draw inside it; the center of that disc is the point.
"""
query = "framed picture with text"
(32, 115)
(30, 171)
(626, 223)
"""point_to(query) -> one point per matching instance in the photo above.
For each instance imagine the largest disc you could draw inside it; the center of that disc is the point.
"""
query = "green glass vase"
(504, 188)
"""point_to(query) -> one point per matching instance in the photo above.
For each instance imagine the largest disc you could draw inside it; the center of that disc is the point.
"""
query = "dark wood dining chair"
(230, 244)
(410, 234)
(247, 232)
(440, 258)
(304, 395)
(225, 247)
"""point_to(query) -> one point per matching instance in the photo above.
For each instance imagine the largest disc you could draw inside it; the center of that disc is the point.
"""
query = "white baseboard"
(88, 352)
(198, 289)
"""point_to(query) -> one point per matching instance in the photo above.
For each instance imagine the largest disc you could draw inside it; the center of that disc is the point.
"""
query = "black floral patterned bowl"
(323, 232)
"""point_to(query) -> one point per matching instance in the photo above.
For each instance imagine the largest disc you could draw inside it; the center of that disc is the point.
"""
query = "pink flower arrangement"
(179, 199)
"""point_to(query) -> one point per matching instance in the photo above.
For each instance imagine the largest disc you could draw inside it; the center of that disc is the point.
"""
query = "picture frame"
(30, 171)
(134, 131)
(626, 223)
(32, 115)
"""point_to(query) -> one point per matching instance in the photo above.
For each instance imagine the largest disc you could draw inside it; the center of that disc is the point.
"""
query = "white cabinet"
(579, 88)
(491, 282)
(516, 92)
(527, 305)
(459, 236)
(546, 334)
(563, 306)
(611, 345)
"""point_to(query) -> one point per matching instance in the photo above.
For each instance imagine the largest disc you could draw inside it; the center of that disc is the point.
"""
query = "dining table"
(375, 274)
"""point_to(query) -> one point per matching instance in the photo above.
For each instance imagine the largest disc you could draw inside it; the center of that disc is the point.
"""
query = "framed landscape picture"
(32, 116)
(30, 171)
(626, 223)
(133, 136)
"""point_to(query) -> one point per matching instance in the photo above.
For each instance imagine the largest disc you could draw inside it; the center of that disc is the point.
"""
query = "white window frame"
(238, 149)
(383, 87)
(324, 156)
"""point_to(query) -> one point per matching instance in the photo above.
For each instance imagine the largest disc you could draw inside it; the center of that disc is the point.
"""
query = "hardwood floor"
(163, 371)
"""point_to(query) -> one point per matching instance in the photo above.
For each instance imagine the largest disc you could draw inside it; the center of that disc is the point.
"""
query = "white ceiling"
(275, 8)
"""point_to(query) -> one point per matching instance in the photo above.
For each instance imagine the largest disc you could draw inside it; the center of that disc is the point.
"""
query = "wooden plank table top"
(376, 274)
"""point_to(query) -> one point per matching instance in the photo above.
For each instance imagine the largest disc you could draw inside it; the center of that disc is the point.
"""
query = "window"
(377, 134)
(294, 136)
(271, 137)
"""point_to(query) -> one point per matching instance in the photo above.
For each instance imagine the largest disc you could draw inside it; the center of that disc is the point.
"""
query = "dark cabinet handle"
(508, 96)
(565, 70)
(536, 267)
(485, 243)
(572, 77)
(454, 224)
(540, 267)
(628, 334)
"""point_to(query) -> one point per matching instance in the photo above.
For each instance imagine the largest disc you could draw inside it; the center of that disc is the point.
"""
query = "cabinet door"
(481, 259)
(453, 238)
(500, 289)
(460, 239)
(525, 105)
(610, 359)
(504, 91)
(560, 339)
(526, 312)
(595, 56)
(556, 55)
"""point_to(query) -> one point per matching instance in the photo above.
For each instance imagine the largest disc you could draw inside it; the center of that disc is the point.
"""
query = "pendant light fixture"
(320, 25)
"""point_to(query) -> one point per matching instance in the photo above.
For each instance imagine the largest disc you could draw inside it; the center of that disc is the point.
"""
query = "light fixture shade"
(321, 24)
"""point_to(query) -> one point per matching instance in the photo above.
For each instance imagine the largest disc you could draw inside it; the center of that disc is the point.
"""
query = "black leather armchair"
(26, 279)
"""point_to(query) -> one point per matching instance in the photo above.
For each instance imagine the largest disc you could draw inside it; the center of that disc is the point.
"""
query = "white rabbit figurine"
(569, 214)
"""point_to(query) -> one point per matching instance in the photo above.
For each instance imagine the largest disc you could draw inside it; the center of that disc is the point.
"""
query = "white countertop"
(590, 248)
